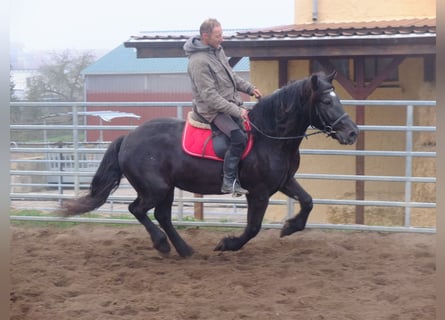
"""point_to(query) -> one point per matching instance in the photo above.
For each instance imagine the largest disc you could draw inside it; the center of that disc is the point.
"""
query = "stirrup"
(236, 189)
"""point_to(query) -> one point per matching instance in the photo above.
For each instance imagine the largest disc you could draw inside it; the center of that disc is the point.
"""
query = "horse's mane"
(282, 112)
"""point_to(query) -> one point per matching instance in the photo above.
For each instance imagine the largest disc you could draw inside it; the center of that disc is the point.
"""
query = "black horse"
(152, 159)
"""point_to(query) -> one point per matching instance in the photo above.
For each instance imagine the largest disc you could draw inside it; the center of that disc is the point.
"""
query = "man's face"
(215, 38)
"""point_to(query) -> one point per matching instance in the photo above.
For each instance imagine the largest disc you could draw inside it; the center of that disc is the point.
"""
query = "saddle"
(202, 140)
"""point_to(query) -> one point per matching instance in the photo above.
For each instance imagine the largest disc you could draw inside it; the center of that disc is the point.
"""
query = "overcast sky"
(105, 24)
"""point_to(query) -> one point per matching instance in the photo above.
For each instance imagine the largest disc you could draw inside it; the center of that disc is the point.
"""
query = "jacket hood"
(194, 44)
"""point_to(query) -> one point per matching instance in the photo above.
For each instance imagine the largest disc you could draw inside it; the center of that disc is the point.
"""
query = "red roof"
(403, 27)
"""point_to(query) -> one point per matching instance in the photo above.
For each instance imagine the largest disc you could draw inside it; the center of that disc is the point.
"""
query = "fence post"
(199, 208)
(360, 167)
(60, 178)
(408, 163)
(180, 112)
(76, 150)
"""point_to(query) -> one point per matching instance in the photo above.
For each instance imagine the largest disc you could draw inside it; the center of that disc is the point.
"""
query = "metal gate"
(44, 172)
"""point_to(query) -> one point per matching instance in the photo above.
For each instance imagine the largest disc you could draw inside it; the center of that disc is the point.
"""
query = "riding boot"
(230, 182)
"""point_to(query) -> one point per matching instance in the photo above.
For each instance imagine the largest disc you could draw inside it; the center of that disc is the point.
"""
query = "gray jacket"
(215, 85)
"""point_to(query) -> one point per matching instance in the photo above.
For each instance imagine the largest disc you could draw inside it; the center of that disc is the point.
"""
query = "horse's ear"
(314, 82)
(331, 76)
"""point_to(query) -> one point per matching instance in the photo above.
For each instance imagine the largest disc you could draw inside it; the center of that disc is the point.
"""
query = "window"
(340, 64)
(375, 66)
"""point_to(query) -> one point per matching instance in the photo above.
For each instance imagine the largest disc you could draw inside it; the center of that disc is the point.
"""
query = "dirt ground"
(112, 272)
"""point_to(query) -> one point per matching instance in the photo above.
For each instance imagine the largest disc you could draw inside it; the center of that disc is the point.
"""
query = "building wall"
(146, 113)
(134, 83)
(363, 10)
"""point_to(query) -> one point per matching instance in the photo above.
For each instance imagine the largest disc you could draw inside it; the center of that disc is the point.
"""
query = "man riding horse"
(216, 98)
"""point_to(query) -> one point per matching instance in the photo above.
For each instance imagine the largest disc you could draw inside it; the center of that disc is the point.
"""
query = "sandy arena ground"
(111, 272)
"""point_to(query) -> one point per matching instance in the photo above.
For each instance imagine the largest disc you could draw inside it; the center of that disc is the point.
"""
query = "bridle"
(328, 129)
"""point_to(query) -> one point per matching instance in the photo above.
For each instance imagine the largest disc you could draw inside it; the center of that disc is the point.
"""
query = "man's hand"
(244, 114)
(257, 93)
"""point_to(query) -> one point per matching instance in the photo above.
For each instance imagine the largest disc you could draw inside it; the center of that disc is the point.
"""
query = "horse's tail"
(106, 179)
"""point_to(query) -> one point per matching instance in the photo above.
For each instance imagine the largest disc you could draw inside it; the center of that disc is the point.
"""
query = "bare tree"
(60, 78)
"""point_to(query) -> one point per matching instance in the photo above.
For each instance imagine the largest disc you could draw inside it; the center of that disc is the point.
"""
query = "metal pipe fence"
(45, 172)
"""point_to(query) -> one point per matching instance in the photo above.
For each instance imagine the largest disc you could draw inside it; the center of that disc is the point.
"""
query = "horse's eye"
(326, 101)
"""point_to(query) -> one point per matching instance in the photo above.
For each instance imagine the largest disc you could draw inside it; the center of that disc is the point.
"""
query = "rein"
(287, 138)
(328, 130)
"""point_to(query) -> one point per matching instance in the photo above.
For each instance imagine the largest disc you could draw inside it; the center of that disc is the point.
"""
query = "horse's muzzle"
(347, 135)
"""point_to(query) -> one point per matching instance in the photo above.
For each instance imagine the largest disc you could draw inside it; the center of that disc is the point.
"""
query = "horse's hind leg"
(158, 237)
(163, 213)
(293, 190)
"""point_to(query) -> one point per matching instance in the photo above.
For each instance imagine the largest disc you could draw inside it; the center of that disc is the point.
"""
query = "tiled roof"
(404, 27)
(346, 29)
(375, 38)
(122, 60)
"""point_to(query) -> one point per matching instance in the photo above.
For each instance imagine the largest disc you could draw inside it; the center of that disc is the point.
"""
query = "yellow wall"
(363, 10)
(264, 74)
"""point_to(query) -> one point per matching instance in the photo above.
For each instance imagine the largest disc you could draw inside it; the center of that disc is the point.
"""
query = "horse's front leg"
(293, 190)
(256, 207)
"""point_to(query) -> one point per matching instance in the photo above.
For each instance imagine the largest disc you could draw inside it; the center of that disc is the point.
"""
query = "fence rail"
(58, 177)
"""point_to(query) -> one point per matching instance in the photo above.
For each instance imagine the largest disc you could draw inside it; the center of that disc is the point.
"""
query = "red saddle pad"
(197, 142)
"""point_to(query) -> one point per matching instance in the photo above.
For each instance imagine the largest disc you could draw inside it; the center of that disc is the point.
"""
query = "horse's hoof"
(186, 252)
(163, 247)
(228, 244)
(285, 232)
(291, 226)
(220, 246)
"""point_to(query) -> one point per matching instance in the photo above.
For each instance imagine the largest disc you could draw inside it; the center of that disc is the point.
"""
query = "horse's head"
(327, 112)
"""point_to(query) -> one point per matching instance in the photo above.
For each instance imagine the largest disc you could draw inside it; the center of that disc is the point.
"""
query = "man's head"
(211, 33)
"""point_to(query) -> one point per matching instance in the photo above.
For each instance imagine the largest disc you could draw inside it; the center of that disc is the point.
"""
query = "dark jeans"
(225, 123)
(231, 128)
